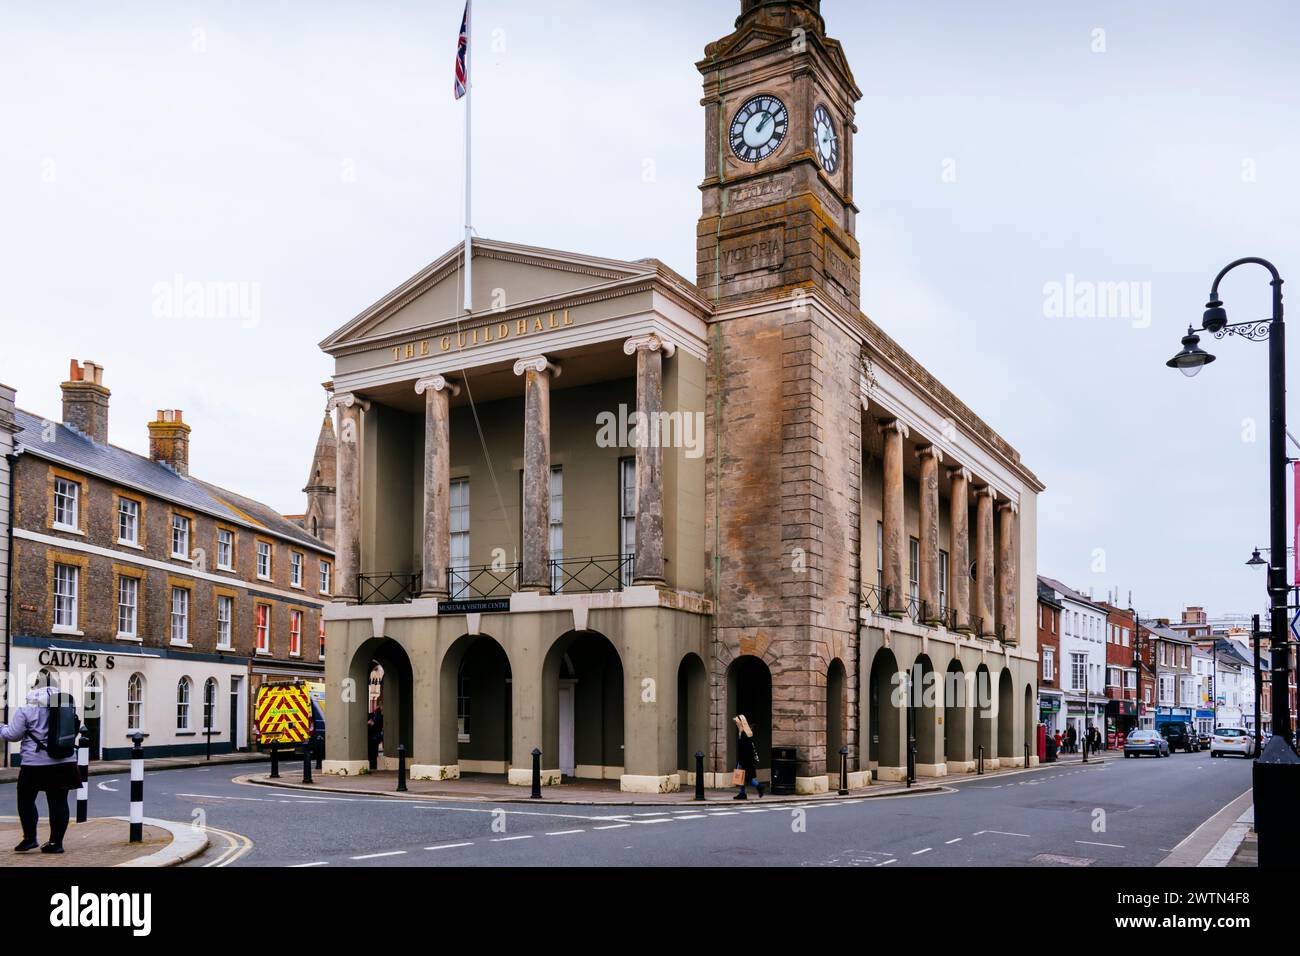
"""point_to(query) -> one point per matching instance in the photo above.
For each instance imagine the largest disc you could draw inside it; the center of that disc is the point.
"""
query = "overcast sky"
(311, 151)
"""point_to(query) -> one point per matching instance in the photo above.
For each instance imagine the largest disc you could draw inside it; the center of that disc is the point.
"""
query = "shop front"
(1121, 719)
(1049, 711)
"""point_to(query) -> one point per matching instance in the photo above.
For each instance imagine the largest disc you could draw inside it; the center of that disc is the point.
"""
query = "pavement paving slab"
(98, 842)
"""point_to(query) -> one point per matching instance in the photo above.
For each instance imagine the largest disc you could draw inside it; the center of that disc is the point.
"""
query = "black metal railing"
(388, 587)
(875, 599)
(588, 575)
(482, 581)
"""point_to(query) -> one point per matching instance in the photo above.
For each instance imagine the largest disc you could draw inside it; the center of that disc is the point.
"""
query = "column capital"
(348, 400)
(1007, 505)
(438, 383)
(537, 363)
(894, 425)
(651, 342)
(986, 491)
(929, 451)
(960, 471)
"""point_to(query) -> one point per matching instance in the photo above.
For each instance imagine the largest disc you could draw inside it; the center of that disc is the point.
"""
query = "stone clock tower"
(777, 193)
(783, 418)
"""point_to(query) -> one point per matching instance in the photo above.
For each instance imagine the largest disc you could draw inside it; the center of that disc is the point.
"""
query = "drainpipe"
(716, 346)
(9, 598)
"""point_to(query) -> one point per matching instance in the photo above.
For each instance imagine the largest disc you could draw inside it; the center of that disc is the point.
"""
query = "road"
(1115, 813)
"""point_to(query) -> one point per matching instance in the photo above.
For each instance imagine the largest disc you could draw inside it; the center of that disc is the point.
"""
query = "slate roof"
(1069, 593)
(67, 446)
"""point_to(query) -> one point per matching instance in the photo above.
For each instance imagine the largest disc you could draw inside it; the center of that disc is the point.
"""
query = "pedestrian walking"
(374, 734)
(47, 726)
(746, 772)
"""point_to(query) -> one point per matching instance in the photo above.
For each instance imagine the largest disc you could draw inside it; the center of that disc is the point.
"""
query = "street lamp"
(1276, 774)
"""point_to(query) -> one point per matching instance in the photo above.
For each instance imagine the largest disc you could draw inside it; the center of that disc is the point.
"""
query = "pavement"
(109, 767)
(102, 841)
(493, 787)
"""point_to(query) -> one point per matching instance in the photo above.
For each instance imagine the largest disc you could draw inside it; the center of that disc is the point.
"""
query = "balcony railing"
(389, 587)
(483, 581)
(589, 575)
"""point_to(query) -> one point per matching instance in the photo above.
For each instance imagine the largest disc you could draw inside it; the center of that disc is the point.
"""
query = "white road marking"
(106, 788)
(375, 856)
(298, 866)
(616, 826)
(657, 820)
(525, 836)
(1117, 846)
(919, 852)
(886, 863)
(949, 842)
(1002, 832)
(564, 832)
(724, 813)
(691, 816)
(449, 846)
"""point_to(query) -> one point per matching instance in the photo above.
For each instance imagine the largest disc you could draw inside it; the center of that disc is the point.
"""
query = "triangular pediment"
(505, 276)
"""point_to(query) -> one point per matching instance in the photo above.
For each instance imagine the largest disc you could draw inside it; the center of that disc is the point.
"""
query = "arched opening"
(837, 717)
(749, 692)
(1031, 725)
(985, 714)
(692, 712)
(384, 662)
(93, 710)
(956, 716)
(1006, 716)
(925, 711)
(582, 686)
(886, 718)
(475, 706)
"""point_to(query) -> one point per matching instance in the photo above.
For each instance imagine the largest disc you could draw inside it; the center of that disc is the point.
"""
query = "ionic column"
(538, 372)
(435, 552)
(1008, 576)
(959, 546)
(984, 559)
(649, 560)
(892, 529)
(347, 532)
(929, 458)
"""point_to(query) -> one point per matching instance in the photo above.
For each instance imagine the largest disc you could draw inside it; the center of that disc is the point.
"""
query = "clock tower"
(778, 208)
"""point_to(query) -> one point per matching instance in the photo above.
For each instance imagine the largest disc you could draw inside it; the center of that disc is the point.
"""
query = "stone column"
(538, 371)
(347, 547)
(1008, 576)
(959, 547)
(929, 458)
(435, 552)
(984, 560)
(892, 528)
(650, 351)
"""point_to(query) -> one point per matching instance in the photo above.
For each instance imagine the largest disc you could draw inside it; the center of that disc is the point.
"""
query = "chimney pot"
(169, 440)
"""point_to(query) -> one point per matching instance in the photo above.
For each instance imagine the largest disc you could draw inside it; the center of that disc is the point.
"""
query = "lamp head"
(1216, 316)
(1192, 358)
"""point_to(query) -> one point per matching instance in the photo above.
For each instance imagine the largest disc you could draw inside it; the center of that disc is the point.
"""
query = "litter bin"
(784, 763)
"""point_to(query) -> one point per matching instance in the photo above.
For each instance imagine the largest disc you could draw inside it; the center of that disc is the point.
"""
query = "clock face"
(826, 141)
(758, 128)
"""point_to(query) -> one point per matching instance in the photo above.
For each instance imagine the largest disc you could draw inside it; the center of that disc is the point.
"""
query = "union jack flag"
(462, 51)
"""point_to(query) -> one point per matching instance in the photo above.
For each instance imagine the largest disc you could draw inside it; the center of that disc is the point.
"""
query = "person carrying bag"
(746, 771)
(47, 725)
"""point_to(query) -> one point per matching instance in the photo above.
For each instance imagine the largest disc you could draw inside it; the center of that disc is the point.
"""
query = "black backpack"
(61, 732)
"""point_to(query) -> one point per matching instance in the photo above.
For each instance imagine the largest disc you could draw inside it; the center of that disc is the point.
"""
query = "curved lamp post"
(1276, 774)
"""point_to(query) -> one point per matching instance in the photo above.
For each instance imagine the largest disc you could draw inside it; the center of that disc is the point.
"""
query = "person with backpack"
(47, 727)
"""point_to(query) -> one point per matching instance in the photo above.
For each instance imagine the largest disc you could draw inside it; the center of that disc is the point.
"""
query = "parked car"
(1141, 742)
(1203, 738)
(1231, 740)
(1180, 736)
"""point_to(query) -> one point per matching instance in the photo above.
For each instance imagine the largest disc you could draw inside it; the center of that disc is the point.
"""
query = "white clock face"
(758, 128)
(826, 141)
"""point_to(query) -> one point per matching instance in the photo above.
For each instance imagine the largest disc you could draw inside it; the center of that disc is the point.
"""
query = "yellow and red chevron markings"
(283, 714)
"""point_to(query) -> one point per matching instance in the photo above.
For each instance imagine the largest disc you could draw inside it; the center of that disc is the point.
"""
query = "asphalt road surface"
(1114, 813)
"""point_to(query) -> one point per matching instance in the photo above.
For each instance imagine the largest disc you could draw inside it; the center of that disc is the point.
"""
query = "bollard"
(320, 749)
(537, 775)
(699, 775)
(401, 768)
(1026, 756)
(306, 761)
(275, 761)
(137, 787)
(83, 771)
(844, 771)
(980, 768)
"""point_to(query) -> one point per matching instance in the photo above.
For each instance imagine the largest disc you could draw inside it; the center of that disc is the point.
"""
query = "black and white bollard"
(137, 788)
(699, 775)
(83, 771)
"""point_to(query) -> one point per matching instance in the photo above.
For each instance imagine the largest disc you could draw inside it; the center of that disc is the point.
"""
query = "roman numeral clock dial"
(758, 128)
(827, 141)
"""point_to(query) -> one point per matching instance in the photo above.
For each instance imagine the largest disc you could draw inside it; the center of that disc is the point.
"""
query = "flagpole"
(469, 229)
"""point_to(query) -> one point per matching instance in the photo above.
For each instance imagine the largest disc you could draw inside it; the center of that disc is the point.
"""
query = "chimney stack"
(169, 441)
(85, 401)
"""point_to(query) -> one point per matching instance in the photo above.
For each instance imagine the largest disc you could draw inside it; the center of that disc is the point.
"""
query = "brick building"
(1122, 710)
(1171, 657)
(817, 522)
(1051, 712)
(157, 599)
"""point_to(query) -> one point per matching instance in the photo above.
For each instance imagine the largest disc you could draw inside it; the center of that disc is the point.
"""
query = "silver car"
(1231, 740)
(1145, 742)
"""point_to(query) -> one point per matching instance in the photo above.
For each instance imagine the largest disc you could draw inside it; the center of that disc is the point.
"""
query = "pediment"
(504, 276)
